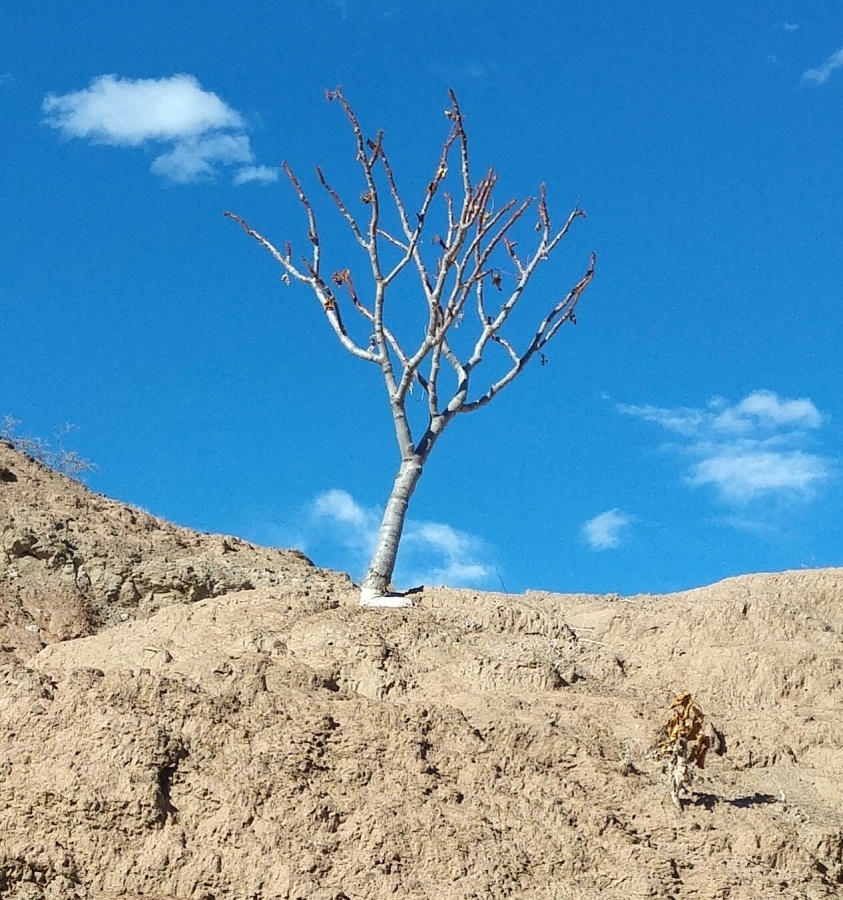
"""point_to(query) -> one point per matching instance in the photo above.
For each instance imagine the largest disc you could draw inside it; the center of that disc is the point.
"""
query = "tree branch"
(352, 222)
(323, 293)
(312, 231)
(562, 312)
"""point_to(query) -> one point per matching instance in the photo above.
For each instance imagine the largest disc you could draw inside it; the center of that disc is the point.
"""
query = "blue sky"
(688, 428)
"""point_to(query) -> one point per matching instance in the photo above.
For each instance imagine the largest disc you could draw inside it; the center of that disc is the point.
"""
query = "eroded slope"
(281, 742)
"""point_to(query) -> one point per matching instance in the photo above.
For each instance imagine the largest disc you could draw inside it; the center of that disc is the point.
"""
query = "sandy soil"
(191, 716)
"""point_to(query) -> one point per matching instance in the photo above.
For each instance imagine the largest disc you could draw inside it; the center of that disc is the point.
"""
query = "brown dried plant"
(686, 740)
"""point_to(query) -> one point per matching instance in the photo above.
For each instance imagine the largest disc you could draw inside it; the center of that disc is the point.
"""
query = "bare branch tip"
(454, 113)
(240, 221)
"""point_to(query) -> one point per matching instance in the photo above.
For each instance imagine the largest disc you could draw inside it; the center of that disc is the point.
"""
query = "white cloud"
(134, 111)
(203, 132)
(742, 476)
(431, 552)
(747, 450)
(603, 532)
(691, 421)
(343, 508)
(682, 420)
(822, 73)
(195, 158)
(460, 555)
(763, 409)
(264, 174)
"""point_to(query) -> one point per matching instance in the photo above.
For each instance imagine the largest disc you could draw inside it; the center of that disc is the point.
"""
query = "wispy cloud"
(199, 157)
(785, 26)
(469, 70)
(370, 9)
(264, 174)
(431, 552)
(764, 409)
(747, 450)
(198, 132)
(340, 7)
(823, 72)
(603, 532)
(743, 473)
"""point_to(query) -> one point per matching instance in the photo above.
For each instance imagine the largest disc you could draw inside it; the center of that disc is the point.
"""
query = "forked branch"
(475, 233)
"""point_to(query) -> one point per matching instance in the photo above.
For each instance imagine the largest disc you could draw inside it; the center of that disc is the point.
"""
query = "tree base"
(371, 598)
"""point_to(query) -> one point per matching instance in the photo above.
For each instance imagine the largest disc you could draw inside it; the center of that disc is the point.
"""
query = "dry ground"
(191, 716)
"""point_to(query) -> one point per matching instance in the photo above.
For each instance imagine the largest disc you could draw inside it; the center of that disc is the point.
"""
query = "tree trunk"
(375, 588)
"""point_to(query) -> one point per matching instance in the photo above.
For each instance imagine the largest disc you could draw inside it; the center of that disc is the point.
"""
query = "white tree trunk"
(375, 588)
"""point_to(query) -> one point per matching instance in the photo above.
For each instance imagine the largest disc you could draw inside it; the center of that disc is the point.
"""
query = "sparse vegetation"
(59, 458)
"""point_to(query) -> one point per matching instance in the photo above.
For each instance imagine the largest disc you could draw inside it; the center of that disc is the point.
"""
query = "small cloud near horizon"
(431, 553)
(748, 450)
(198, 133)
(603, 532)
(822, 73)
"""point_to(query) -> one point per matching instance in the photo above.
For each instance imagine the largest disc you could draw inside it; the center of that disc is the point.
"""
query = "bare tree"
(475, 236)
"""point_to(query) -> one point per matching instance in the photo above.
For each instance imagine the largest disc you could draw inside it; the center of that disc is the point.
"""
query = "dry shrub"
(686, 740)
(60, 459)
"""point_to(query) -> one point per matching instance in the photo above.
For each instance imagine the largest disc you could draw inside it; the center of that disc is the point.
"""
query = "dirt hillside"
(191, 716)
